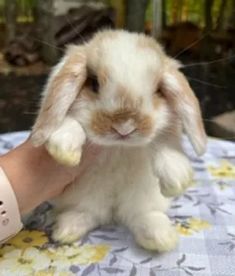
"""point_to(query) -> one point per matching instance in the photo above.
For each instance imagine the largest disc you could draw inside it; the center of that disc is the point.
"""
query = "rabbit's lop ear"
(63, 86)
(179, 94)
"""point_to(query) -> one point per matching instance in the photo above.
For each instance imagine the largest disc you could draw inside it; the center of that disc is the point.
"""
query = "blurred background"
(200, 33)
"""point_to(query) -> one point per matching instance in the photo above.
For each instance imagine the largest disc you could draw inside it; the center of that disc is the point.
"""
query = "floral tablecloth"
(204, 217)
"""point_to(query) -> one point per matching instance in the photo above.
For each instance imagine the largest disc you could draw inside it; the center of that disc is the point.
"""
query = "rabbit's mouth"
(127, 140)
(123, 137)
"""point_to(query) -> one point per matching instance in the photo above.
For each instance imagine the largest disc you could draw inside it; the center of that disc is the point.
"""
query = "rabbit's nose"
(125, 128)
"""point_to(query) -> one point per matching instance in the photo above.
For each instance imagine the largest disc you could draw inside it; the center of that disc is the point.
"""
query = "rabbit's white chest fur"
(120, 187)
(121, 180)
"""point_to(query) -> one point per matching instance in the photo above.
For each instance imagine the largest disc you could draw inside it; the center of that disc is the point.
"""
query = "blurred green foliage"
(190, 10)
(24, 8)
(176, 10)
(193, 10)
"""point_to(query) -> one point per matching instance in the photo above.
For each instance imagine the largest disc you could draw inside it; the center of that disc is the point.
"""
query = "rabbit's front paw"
(178, 178)
(174, 172)
(70, 226)
(156, 233)
(65, 144)
(64, 148)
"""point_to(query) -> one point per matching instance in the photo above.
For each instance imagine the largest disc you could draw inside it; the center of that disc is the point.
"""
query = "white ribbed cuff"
(10, 219)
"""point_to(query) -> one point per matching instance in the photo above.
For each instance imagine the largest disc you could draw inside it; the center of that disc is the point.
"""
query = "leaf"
(195, 268)
(181, 260)
(88, 270)
(188, 272)
(224, 211)
(196, 160)
(133, 271)
(199, 169)
(212, 211)
(74, 269)
(231, 247)
(197, 203)
(156, 267)
(176, 206)
(146, 260)
(152, 273)
(188, 197)
(224, 243)
(204, 195)
(112, 270)
(120, 250)
(181, 217)
(193, 191)
(104, 237)
(113, 260)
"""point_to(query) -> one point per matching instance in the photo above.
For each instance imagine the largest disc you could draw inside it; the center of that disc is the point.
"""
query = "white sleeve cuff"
(10, 219)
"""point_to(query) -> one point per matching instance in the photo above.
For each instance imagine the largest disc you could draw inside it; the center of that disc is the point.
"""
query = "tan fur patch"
(66, 73)
(180, 95)
(102, 122)
(102, 76)
(157, 100)
(48, 116)
(145, 125)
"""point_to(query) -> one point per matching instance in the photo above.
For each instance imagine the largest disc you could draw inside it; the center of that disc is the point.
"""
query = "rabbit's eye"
(94, 84)
(159, 92)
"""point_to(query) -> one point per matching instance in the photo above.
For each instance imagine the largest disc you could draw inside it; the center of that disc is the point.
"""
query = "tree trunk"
(231, 21)
(208, 15)
(180, 10)
(220, 19)
(10, 15)
(44, 13)
(175, 12)
(206, 52)
(157, 18)
(120, 12)
(164, 17)
(135, 15)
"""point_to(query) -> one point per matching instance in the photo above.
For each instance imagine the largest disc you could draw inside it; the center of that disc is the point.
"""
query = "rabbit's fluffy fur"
(121, 91)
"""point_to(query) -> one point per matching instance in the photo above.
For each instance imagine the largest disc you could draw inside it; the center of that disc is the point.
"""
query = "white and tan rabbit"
(121, 91)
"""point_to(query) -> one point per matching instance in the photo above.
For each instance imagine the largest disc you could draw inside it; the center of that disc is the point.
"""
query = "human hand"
(36, 177)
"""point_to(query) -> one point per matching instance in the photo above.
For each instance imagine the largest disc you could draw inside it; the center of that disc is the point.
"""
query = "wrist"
(10, 221)
(22, 166)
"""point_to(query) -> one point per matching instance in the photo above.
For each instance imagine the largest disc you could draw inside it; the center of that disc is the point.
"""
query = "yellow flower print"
(224, 170)
(23, 262)
(26, 239)
(192, 225)
(222, 185)
(49, 272)
(52, 272)
(65, 256)
(183, 230)
(5, 249)
(198, 224)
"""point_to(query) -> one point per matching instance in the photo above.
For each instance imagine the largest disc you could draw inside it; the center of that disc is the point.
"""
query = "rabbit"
(122, 92)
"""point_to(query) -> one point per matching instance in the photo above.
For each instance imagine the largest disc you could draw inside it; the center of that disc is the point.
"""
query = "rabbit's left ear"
(179, 94)
(63, 86)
